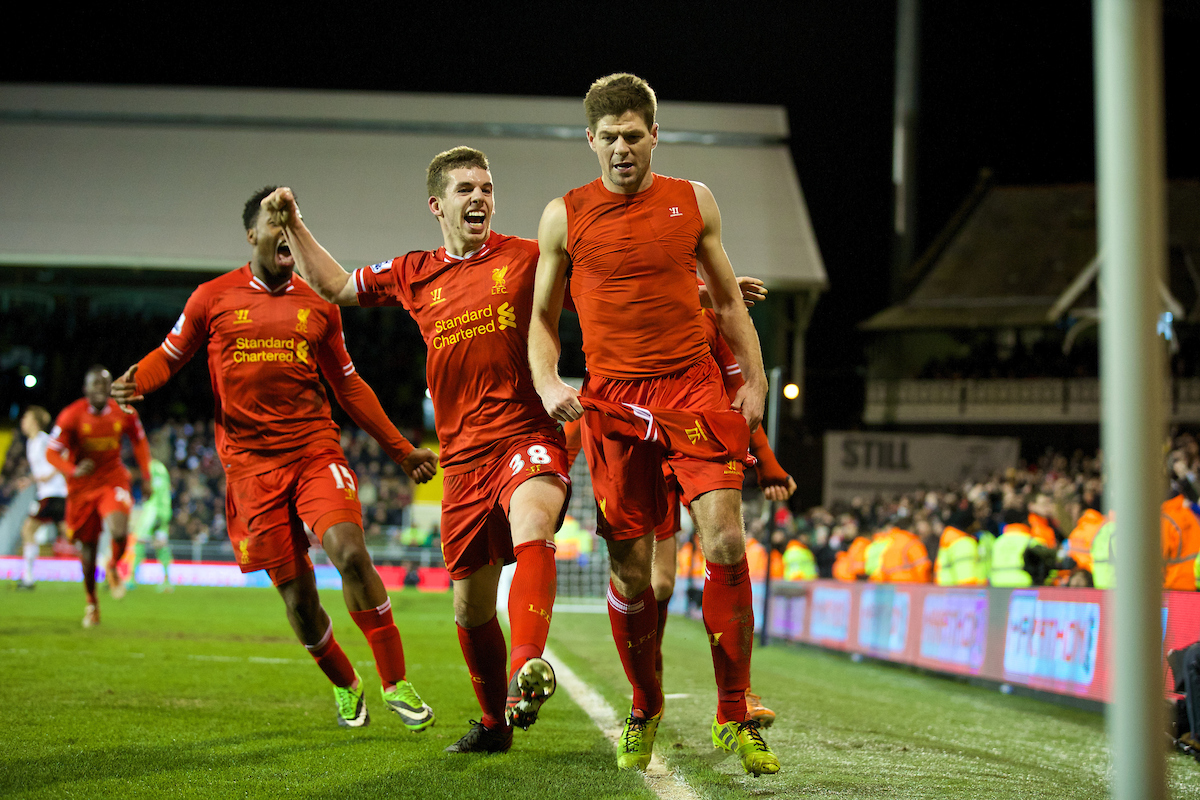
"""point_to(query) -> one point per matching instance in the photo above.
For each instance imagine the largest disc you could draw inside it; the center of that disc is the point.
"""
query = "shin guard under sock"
(635, 632)
(531, 601)
(729, 620)
(484, 650)
(383, 636)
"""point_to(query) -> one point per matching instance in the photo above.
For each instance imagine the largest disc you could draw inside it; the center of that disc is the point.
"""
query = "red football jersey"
(633, 277)
(474, 316)
(264, 348)
(79, 433)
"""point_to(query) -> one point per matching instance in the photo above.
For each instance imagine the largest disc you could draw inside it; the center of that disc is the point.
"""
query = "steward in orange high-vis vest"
(1079, 543)
(1043, 531)
(756, 559)
(1180, 543)
(851, 564)
(905, 560)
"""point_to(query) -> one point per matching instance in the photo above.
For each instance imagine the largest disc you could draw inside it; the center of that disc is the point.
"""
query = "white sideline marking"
(662, 781)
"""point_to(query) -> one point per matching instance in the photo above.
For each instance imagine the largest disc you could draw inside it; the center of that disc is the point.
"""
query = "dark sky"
(1003, 85)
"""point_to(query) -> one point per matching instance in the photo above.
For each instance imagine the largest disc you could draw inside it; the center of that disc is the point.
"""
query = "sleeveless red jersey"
(264, 347)
(474, 316)
(80, 433)
(633, 277)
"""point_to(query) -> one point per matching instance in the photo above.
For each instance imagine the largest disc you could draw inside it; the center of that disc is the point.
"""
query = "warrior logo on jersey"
(498, 280)
(241, 316)
(382, 266)
(302, 317)
(178, 329)
(435, 296)
(302, 351)
(695, 434)
(731, 468)
(87, 427)
(507, 316)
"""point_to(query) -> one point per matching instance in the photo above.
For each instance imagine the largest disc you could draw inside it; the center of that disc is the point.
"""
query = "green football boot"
(745, 739)
(405, 701)
(352, 709)
(637, 741)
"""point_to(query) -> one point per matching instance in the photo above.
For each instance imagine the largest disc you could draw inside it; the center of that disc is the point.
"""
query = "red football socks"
(662, 628)
(635, 632)
(331, 659)
(531, 601)
(729, 619)
(383, 636)
(484, 648)
(118, 550)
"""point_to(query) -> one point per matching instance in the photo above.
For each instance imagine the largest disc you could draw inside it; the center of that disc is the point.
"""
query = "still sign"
(869, 464)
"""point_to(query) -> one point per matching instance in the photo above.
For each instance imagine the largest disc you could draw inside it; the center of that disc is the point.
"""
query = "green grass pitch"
(205, 693)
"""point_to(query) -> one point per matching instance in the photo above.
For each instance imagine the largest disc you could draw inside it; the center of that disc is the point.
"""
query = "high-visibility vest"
(1079, 544)
(756, 559)
(686, 560)
(1180, 542)
(776, 565)
(849, 564)
(1008, 556)
(905, 559)
(567, 540)
(983, 563)
(957, 554)
(1042, 531)
(873, 558)
(799, 564)
(1103, 570)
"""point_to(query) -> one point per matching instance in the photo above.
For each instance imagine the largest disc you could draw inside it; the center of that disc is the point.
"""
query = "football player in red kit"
(85, 445)
(632, 240)
(506, 484)
(269, 338)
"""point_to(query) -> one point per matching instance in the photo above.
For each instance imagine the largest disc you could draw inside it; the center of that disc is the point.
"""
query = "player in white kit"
(50, 505)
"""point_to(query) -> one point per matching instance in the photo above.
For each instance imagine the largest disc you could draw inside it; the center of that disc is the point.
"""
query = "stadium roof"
(156, 178)
(1025, 256)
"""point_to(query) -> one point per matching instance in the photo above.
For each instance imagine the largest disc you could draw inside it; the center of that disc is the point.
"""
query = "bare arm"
(732, 318)
(313, 262)
(560, 400)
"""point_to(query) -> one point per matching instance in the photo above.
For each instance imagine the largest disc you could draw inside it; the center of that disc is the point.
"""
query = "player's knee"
(664, 586)
(726, 547)
(354, 564)
(631, 580)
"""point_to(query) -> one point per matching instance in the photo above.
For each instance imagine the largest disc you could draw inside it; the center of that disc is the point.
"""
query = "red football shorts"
(627, 476)
(266, 513)
(475, 502)
(673, 522)
(87, 509)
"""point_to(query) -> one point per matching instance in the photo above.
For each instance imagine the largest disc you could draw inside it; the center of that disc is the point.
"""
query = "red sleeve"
(379, 284)
(770, 473)
(572, 430)
(141, 447)
(731, 373)
(62, 438)
(353, 394)
(60, 463)
(189, 333)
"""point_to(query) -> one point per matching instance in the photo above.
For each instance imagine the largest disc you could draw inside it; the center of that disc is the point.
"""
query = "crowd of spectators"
(1054, 492)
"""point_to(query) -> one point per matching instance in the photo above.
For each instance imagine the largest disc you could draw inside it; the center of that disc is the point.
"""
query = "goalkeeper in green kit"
(153, 523)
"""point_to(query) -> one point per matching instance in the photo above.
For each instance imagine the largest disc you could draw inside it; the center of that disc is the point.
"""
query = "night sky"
(1005, 86)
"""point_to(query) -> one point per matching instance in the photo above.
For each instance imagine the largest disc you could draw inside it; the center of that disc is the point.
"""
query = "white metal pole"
(1131, 199)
